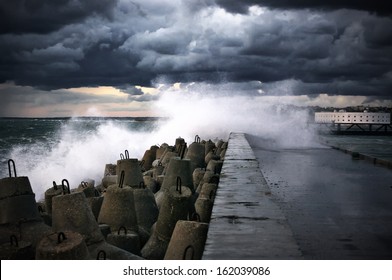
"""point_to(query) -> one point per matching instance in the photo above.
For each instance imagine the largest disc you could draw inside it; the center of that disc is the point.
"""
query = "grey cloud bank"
(282, 47)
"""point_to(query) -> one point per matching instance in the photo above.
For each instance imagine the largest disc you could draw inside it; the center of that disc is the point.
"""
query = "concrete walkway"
(246, 223)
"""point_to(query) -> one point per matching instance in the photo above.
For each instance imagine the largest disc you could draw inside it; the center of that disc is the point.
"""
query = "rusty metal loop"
(9, 167)
(195, 217)
(122, 175)
(126, 154)
(178, 186)
(54, 185)
(182, 150)
(160, 163)
(61, 237)
(119, 230)
(197, 139)
(101, 253)
(142, 185)
(64, 187)
(14, 240)
(122, 156)
(186, 251)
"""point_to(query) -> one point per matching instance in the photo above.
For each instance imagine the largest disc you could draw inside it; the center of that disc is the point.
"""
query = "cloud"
(243, 6)
(321, 47)
(143, 98)
(18, 100)
(136, 94)
(131, 90)
(40, 16)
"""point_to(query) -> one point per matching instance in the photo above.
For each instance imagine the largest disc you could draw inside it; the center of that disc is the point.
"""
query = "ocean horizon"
(77, 148)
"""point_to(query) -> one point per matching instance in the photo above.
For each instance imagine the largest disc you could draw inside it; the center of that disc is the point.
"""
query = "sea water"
(53, 149)
(374, 146)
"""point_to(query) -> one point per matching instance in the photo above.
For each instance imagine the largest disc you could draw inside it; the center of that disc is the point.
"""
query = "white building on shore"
(352, 118)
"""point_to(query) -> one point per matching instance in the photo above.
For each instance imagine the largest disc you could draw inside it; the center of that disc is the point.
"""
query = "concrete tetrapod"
(71, 212)
(66, 245)
(19, 215)
(109, 176)
(187, 241)
(132, 170)
(211, 155)
(149, 157)
(161, 151)
(17, 201)
(215, 166)
(49, 194)
(177, 168)
(197, 176)
(87, 186)
(16, 250)
(209, 147)
(118, 207)
(208, 190)
(196, 154)
(128, 241)
(146, 209)
(176, 206)
(158, 170)
(203, 207)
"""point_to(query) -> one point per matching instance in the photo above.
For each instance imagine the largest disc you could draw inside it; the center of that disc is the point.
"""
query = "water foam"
(216, 115)
(77, 155)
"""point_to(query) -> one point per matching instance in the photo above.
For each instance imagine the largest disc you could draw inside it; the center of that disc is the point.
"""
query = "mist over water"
(81, 148)
(216, 115)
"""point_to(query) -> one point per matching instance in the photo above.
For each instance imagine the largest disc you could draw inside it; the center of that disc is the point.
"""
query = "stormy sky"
(59, 57)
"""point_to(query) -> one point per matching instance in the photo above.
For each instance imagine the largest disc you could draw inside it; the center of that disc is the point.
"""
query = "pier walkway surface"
(299, 203)
(338, 206)
(246, 223)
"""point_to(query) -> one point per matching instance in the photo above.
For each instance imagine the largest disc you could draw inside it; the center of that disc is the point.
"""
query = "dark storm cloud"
(136, 94)
(130, 90)
(42, 16)
(323, 48)
(378, 7)
(143, 98)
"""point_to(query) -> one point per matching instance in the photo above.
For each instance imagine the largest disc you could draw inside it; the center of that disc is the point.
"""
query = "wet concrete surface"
(337, 207)
(245, 222)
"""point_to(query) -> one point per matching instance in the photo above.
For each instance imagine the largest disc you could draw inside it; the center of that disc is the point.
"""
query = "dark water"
(375, 146)
(55, 148)
(25, 133)
(76, 148)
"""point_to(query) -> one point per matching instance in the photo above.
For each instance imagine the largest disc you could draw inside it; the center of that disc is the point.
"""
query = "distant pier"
(350, 123)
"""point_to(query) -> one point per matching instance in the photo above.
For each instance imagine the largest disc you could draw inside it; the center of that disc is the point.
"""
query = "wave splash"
(79, 153)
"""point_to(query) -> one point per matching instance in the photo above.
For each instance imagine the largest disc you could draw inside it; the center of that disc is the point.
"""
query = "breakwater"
(156, 207)
(246, 223)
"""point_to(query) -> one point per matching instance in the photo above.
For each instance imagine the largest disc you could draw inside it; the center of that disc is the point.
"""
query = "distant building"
(352, 118)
